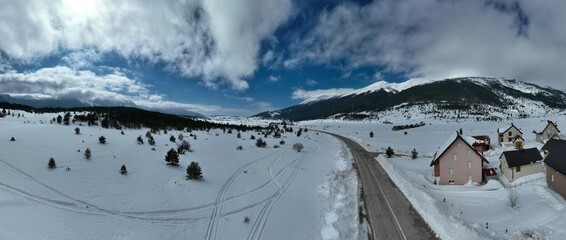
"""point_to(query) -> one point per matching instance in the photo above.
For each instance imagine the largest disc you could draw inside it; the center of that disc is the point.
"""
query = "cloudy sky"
(241, 57)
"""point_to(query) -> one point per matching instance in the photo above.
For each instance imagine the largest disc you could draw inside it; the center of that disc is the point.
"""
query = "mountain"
(43, 102)
(47, 102)
(471, 97)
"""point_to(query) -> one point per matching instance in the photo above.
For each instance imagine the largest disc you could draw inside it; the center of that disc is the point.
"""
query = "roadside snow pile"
(340, 200)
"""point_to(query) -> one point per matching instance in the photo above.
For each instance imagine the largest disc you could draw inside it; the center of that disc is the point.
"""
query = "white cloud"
(311, 82)
(440, 39)
(86, 86)
(218, 41)
(319, 94)
(273, 78)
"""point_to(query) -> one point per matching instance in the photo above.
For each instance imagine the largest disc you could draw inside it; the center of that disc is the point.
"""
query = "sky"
(242, 57)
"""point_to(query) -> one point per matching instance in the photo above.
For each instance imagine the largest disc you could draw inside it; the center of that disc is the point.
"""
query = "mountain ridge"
(496, 98)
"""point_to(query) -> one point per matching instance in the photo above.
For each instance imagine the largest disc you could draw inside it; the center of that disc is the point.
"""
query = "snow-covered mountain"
(470, 97)
(40, 101)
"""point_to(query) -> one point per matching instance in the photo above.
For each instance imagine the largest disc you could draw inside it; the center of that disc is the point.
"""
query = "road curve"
(390, 214)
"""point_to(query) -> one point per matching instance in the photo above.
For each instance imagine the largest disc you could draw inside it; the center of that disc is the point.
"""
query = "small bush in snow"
(150, 140)
(260, 143)
(172, 157)
(389, 152)
(275, 146)
(298, 146)
(172, 138)
(102, 139)
(12, 139)
(246, 219)
(51, 164)
(239, 148)
(252, 137)
(123, 170)
(513, 199)
(87, 153)
(194, 171)
(281, 142)
(414, 154)
(371, 134)
(77, 131)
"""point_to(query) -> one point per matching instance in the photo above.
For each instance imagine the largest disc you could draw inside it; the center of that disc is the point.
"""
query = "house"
(550, 131)
(506, 136)
(482, 143)
(457, 162)
(520, 163)
(550, 144)
(556, 168)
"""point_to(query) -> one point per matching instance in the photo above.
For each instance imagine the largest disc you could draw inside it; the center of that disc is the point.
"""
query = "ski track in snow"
(212, 228)
(259, 225)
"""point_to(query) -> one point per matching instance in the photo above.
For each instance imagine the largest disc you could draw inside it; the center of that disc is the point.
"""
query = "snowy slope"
(285, 194)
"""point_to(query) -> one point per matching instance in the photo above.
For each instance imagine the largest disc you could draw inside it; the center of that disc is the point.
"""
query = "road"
(390, 214)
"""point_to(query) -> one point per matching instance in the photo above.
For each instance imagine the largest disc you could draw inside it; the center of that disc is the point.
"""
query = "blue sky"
(242, 57)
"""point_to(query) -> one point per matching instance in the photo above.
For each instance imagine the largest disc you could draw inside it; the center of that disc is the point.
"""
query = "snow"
(285, 194)
(467, 208)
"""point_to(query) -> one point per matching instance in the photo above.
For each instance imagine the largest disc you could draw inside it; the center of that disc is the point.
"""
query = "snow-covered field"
(462, 212)
(286, 194)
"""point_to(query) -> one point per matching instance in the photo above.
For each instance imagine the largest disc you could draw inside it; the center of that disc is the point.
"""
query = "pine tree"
(87, 153)
(172, 157)
(180, 137)
(12, 139)
(59, 119)
(389, 152)
(150, 140)
(252, 137)
(371, 134)
(238, 135)
(140, 140)
(299, 132)
(260, 143)
(414, 154)
(148, 134)
(51, 163)
(77, 131)
(123, 170)
(172, 138)
(102, 139)
(194, 171)
(185, 146)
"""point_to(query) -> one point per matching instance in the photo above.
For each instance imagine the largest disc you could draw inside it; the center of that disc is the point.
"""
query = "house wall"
(547, 133)
(559, 183)
(514, 132)
(511, 173)
(460, 165)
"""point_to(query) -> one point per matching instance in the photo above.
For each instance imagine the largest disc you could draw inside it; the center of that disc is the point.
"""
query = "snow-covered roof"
(467, 139)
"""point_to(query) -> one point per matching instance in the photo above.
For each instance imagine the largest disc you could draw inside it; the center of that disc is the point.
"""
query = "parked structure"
(520, 163)
(457, 162)
(556, 168)
(550, 131)
(507, 136)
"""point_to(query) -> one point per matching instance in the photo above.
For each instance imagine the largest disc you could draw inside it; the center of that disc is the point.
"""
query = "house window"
(454, 157)
(510, 134)
(518, 168)
(510, 139)
(451, 171)
(451, 182)
(552, 178)
(469, 164)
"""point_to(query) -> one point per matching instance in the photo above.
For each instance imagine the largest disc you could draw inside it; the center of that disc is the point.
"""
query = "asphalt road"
(390, 214)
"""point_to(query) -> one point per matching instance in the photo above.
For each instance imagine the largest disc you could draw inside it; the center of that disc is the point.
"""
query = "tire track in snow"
(212, 227)
(259, 225)
(93, 209)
